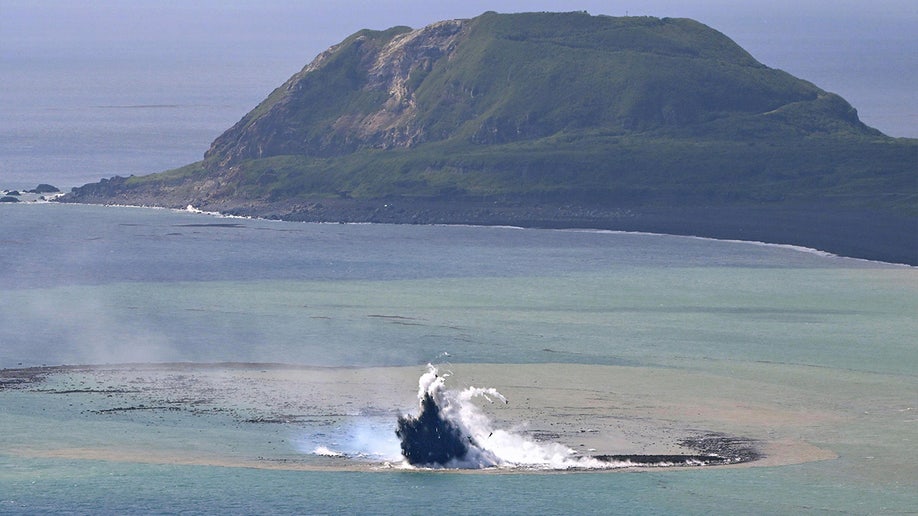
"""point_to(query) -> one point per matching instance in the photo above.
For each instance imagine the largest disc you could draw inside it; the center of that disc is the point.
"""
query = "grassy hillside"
(575, 111)
(597, 170)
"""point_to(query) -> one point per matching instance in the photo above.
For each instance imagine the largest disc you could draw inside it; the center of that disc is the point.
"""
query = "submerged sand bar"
(250, 415)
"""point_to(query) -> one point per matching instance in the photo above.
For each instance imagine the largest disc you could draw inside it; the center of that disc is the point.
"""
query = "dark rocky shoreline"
(712, 450)
(871, 234)
(867, 234)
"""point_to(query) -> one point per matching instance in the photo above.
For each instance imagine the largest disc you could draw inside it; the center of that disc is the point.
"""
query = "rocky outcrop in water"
(44, 188)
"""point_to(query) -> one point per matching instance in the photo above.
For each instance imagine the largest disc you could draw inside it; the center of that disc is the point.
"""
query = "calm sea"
(72, 117)
(827, 338)
(820, 348)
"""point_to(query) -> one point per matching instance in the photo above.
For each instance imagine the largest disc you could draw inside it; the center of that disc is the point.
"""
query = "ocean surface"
(245, 365)
(73, 117)
(238, 366)
(89, 92)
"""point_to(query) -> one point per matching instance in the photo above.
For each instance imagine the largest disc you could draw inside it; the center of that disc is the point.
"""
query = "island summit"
(556, 120)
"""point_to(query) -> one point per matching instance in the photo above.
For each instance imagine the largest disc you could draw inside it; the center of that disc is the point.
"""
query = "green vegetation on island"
(557, 119)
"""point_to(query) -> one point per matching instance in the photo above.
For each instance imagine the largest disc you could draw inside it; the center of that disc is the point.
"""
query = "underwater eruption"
(429, 438)
(438, 435)
(449, 431)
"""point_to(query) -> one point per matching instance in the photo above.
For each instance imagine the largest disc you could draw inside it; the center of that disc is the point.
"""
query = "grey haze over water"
(102, 88)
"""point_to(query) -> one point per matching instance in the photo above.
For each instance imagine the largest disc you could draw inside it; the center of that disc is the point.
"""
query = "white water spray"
(495, 447)
(452, 431)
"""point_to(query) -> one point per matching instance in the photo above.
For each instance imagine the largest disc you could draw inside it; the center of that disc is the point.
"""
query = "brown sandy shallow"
(596, 410)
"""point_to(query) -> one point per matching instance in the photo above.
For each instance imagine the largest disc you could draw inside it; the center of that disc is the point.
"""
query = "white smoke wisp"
(363, 439)
(495, 447)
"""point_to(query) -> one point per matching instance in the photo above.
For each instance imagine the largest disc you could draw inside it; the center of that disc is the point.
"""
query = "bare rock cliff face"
(373, 73)
(415, 52)
(555, 120)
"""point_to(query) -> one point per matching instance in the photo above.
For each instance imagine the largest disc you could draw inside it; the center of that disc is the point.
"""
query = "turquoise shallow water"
(792, 331)
(88, 486)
